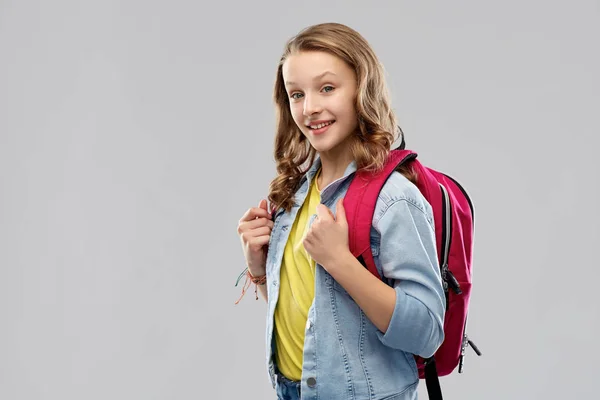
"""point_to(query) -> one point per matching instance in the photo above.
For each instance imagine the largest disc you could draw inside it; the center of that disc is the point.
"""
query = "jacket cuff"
(412, 328)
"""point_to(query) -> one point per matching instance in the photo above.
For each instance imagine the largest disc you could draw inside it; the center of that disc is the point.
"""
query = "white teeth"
(320, 125)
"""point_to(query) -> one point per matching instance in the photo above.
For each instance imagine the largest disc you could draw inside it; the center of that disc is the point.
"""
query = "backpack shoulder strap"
(360, 202)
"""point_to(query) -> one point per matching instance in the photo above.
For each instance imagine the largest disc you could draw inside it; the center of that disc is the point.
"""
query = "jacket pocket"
(402, 395)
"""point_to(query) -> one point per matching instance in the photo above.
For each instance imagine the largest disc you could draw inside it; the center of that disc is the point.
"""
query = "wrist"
(257, 277)
(258, 280)
(341, 261)
(257, 272)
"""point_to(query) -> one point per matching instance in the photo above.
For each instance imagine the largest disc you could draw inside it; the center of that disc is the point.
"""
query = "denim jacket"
(345, 355)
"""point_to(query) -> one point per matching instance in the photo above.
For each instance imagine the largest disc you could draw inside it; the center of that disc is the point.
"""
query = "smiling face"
(322, 92)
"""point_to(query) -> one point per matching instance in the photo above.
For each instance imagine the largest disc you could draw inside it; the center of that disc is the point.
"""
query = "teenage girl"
(334, 330)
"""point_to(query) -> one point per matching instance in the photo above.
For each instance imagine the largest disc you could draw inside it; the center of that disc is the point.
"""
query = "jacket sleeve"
(408, 259)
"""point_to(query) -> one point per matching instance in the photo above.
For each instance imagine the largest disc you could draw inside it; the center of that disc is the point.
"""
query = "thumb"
(340, 211)
(263, 204)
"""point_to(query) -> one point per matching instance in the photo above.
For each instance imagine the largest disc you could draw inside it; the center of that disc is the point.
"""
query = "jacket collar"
(331, 188)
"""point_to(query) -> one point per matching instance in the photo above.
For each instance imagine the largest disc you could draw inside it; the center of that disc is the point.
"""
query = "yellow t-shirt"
(297, 290)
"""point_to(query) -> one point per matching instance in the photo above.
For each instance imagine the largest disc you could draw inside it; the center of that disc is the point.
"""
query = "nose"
(311, 105)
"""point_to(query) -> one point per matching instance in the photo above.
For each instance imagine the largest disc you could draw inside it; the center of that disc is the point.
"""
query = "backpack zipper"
(462, 189)
(448, 278)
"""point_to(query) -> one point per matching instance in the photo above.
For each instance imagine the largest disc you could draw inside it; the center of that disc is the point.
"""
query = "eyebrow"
(316, 78)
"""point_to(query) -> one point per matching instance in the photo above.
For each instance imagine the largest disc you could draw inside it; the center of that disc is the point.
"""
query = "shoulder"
(399, 190)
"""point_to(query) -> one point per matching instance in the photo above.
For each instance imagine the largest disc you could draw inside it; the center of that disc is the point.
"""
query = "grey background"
(134, 134)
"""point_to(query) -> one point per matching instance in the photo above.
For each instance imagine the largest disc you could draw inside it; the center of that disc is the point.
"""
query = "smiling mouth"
(322, 125)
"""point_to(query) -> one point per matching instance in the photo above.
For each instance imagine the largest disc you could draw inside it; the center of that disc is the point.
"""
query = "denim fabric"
(345, 355)
(286, 389)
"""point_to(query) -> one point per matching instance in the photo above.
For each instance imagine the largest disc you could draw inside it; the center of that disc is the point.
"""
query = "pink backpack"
(453, 216)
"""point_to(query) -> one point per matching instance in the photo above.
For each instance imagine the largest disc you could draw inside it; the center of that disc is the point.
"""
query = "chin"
(324, 147)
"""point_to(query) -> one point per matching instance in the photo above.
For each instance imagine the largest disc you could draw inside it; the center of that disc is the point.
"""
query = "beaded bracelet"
(258, 280)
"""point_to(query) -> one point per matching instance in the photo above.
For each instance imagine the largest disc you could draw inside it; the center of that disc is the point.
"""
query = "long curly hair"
(377, 124)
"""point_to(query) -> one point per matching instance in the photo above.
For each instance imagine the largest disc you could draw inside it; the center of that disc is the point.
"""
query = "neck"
(332, 168)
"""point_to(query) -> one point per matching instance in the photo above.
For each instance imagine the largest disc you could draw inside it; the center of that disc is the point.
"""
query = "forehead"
(305, 67)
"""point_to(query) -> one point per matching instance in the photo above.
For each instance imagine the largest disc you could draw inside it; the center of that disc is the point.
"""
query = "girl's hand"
(327, 238)
(255, 229)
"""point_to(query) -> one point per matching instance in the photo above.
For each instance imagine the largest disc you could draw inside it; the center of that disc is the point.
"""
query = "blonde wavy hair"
(377, 123)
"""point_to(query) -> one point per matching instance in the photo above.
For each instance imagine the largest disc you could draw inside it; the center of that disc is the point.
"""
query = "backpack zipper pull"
(454, 283)
(474, 347)
(450, 280)
(466, 343)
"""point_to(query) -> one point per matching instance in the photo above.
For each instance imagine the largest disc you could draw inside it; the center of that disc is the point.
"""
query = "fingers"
(307, 242)
(256, 243)
(252, 233)
(255, 212)
(340, 212)
(324, 213)
(263, 204)
(254, 224)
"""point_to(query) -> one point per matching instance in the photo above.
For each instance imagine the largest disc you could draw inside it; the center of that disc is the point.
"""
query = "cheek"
(296, 111)
(348, 114)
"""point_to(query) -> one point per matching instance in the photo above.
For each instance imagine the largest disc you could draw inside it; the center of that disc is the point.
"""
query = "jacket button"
(311, 382)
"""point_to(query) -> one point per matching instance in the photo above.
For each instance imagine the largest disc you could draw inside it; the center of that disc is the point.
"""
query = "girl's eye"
(328, 87)
(295, 96)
